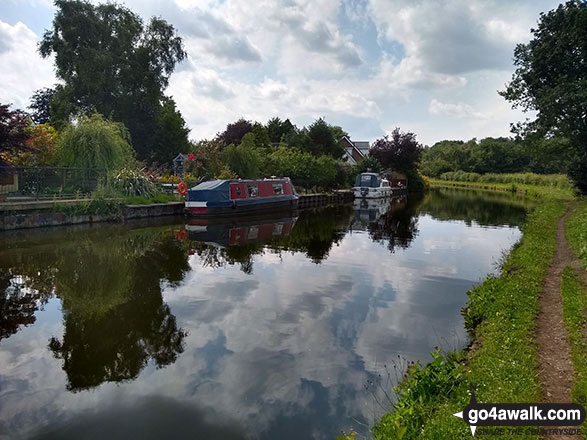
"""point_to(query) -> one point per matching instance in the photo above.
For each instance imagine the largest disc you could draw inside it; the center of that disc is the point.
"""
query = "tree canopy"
(95, 142)
(400, 152)
(113, 63)
(551, 78)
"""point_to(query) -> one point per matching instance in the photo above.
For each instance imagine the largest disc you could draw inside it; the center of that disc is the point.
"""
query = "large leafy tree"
(400, 152)
(113, 63)
(321, 139)
(551, 78)
(13, 132)
(171, 133)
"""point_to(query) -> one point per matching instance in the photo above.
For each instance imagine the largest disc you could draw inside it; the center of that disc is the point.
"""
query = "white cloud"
(460, 110)
(23, 70)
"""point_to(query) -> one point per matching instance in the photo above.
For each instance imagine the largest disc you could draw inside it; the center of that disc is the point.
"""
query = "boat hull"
(371, 193)
(241, 209)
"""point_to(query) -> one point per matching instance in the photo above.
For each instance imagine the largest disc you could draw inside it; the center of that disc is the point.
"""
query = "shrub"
(132, 182)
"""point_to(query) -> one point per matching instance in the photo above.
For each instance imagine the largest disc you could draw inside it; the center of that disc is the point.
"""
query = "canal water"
(286, 327)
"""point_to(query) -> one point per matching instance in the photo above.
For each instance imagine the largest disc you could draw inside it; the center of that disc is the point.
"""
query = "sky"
(432, 67)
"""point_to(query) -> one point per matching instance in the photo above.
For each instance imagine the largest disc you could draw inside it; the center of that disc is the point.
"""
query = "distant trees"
(113, 63)
(550, 78)
(498, 155)
(399, 152)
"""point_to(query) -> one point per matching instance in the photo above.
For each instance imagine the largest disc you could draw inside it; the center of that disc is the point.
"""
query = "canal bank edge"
(502, 360)
(74, 212)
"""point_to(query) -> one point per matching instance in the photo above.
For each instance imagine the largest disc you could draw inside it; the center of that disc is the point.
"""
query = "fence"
(49, 182)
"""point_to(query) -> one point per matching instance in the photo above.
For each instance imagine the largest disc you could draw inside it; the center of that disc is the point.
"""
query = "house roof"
(362, 145)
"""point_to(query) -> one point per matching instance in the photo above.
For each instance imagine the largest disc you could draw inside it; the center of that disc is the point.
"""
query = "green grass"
(575, 316)
(159, 198)
(547, 192)
(502, 362)
(553, 180)
(576, 230)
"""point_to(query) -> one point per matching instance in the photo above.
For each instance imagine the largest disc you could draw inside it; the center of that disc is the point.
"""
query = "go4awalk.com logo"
(527, 415)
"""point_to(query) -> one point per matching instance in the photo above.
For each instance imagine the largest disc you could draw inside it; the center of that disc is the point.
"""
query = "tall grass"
(552, 180)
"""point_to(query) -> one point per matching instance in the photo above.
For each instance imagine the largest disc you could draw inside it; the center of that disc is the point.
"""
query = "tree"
(322, 140)
(400, 152)
(246, 159)
(278, 129)
(13, 132)
(551, 78)
(40, 105)
(111, 62)
(235, 132)
(171, 133)
(261, 136)
(42, 147)
(95, 142)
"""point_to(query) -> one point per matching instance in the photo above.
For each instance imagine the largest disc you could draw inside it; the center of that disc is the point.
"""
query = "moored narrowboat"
(230, 197)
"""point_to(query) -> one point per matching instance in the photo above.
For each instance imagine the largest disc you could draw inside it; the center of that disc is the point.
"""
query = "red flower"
(191, 156)
(199, 163)
(185, 166)
(199, 152)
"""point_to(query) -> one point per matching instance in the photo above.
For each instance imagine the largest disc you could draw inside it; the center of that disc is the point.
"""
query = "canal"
(285, 327)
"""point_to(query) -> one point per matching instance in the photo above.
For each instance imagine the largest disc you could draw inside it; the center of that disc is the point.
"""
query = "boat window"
(385, 183)
(253, 233)
(237, 190)
(277, 188)
(253, 190)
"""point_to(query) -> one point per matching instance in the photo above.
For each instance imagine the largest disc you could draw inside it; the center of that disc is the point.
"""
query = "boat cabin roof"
(216, 184)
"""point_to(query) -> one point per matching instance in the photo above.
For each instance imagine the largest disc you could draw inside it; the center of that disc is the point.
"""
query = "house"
(355, 151)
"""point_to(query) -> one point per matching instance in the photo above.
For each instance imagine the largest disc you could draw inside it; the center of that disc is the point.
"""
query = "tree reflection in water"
(115, 319)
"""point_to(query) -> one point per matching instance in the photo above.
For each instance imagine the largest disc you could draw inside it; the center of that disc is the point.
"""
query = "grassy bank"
(502, 362)
(531, 190)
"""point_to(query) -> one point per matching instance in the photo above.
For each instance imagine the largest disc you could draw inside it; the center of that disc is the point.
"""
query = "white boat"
(371, 186)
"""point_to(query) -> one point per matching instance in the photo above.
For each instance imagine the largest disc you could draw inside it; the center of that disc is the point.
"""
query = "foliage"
(420, 388)
(303, 168)
(554, 180)
(113, 63)
(234, 132)
(261, 136)
(171, 133)
(40, 105)
(321, 140)
(42, 147)
(574, 295)
(498, 155)
(245, 159)
(13, 132)
(551, 76)
(95, 142)
(278, 129)
(400, 152)
(159, 198)
(133, 182)
(368, 164)
(576, 230)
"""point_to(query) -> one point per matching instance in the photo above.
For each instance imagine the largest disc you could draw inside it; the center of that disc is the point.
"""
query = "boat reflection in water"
(370, 210)
(241, 231)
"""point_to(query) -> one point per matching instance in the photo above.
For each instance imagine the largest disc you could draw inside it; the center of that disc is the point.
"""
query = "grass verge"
(547, 192)
(576, 230)
(575, 316)
(502, 362)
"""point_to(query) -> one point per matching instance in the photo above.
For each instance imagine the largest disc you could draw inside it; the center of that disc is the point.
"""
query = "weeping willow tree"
(95, 142)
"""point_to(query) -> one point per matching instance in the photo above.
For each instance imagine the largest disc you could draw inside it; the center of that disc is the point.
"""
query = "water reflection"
(110, 291)
(271, 326)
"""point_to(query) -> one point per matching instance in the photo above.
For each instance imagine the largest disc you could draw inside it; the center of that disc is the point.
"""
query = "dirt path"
(554, 352)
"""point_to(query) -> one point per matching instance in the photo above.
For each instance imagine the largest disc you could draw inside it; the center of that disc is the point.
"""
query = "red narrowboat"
(230, 197)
